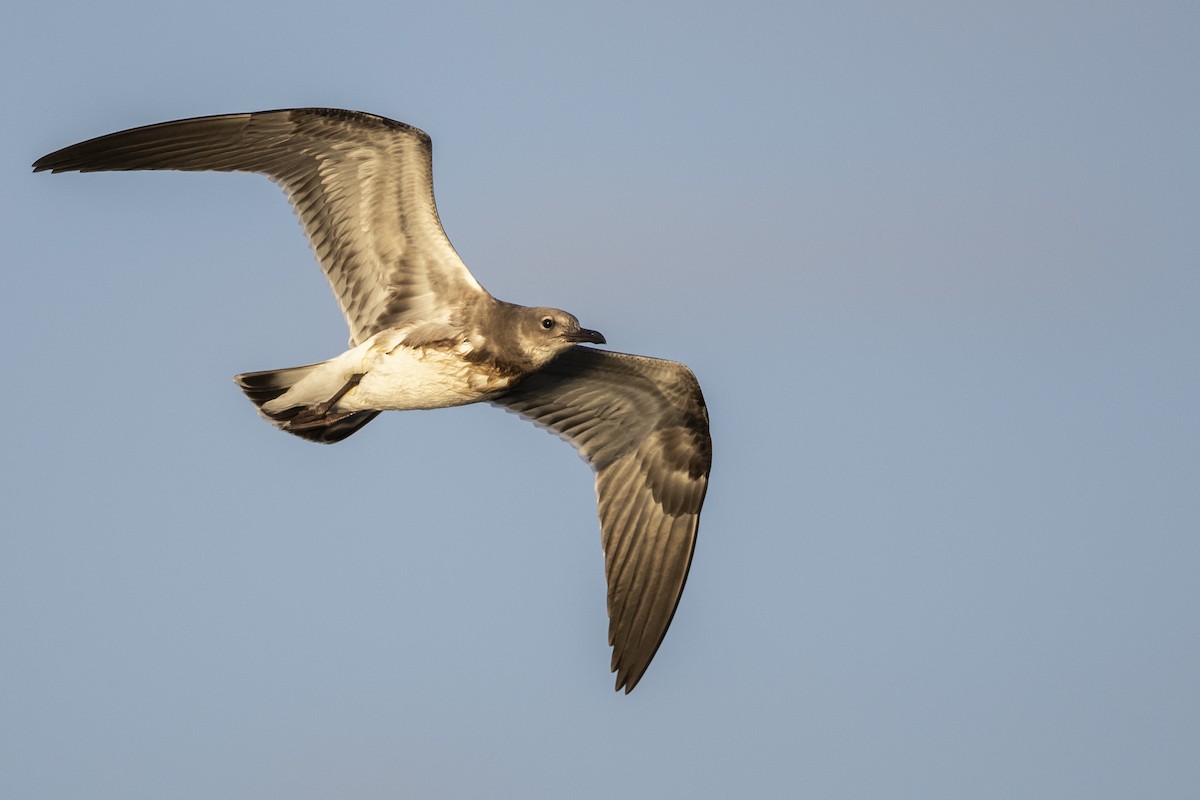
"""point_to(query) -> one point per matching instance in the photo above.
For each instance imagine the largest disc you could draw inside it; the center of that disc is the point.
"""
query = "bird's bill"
(585, 335)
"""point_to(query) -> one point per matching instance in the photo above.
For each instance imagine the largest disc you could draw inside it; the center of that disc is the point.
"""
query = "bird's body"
(413, 367)
(425, 334)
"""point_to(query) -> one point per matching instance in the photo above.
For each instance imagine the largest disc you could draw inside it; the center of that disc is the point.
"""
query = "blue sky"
(935, 267)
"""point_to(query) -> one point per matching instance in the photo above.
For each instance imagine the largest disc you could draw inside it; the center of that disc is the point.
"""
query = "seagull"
(425, 334)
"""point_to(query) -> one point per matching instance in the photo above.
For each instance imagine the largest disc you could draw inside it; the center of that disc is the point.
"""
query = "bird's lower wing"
(642, 425)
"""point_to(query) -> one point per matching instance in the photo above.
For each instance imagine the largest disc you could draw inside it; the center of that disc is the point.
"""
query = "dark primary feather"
(642, 425)
(362, 186)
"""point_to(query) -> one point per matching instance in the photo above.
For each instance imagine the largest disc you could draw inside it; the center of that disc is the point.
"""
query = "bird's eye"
(547, 322)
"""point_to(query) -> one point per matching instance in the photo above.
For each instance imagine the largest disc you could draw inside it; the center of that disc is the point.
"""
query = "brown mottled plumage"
(425, 334)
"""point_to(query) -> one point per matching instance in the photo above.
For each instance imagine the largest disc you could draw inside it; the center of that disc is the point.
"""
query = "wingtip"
(626, 680)
(49, 163)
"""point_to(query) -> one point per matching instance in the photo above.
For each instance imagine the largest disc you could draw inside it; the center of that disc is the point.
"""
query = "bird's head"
(546, 332)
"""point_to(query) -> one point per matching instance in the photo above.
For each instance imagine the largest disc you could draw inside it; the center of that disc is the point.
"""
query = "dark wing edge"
(219, 143)
(642, 425)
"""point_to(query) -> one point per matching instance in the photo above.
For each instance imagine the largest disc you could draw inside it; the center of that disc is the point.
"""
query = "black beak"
(584, 335)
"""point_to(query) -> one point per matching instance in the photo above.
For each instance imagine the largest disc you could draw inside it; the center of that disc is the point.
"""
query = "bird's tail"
(326, 428)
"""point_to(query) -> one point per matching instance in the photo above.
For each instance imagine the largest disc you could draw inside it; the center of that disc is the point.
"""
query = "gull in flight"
(425, 334)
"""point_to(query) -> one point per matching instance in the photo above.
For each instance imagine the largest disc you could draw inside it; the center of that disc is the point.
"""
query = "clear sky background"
(936, 267)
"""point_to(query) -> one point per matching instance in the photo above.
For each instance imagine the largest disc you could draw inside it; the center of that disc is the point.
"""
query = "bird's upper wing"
(642, 425)
(362, 186)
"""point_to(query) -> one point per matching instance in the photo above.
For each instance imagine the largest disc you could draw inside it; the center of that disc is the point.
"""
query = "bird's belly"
(407, 378)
